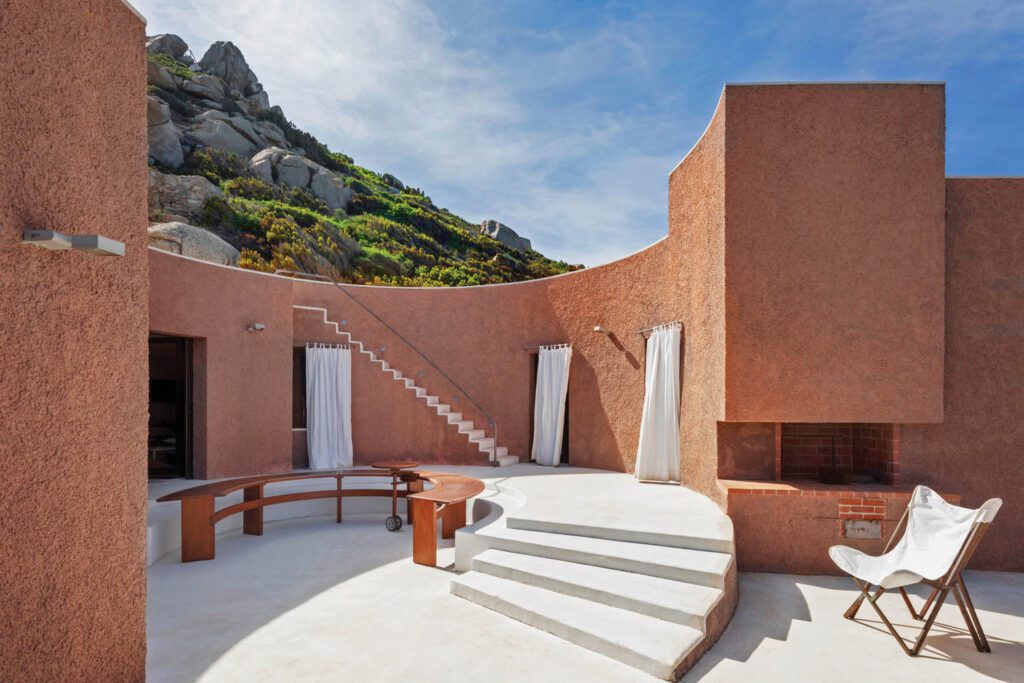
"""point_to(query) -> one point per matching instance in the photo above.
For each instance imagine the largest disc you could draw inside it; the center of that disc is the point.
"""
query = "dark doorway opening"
(534, 363)
(170, 407)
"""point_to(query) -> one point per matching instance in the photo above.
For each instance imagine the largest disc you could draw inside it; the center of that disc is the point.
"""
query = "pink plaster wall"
(977, 450)
(73, 388)
(834, 252)
(772, 332)
(242, 398)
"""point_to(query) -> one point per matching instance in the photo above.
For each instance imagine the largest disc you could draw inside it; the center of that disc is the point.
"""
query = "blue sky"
(563, 119)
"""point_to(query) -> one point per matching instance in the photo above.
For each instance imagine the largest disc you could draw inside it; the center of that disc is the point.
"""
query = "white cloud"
(384, 83)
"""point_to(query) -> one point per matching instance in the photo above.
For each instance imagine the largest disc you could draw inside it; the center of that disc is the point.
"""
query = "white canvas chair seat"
(937, 542)
(935, 533)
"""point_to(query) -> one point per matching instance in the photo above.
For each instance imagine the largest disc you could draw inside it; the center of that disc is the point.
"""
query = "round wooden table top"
(394, 464)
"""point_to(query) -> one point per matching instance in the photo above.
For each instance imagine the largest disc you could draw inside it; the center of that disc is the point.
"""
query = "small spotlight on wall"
(257, 327)
(56, 241)
(600, 330)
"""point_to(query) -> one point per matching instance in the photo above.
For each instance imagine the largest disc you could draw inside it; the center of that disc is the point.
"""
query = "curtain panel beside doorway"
(657, 453)
(549, 406)
(329, 406)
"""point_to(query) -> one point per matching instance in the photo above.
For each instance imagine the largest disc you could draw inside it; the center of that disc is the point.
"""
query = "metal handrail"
(327, 278)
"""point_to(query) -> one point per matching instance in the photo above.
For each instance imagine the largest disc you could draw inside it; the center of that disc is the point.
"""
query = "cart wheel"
(393, 523)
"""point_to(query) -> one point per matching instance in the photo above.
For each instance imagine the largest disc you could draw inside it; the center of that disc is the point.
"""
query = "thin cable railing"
(327, 278)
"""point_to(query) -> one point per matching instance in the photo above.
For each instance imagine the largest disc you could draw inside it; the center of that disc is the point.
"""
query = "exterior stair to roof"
(468, 428)
(653, 598)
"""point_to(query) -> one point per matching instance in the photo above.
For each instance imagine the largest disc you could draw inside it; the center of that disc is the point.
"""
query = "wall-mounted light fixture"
(56, 241)
(601, 330)
(257, 327)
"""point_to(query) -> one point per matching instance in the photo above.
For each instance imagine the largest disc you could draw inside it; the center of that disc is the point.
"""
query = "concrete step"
(698, 532)
(651, 645)
(454, 418)
(432, 400)
(442, 408)
(474, 435)
(681, 603)
(507, 460)
(484, 444)
(702, 567)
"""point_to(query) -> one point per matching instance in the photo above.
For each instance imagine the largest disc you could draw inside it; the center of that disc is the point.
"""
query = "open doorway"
(564, 456)
(170, 407)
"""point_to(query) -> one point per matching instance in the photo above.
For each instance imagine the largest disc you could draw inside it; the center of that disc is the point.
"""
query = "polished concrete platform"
(311, 600)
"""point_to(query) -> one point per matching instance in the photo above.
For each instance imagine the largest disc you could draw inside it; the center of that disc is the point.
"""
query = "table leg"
(197, 533)
(424, 536)
(452, 517)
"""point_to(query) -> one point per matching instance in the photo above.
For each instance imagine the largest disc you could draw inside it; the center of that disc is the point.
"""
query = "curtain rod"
(319, 345)
(550, 346)
(645, 330)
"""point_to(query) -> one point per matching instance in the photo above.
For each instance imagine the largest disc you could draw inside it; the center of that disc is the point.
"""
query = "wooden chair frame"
(952, 582)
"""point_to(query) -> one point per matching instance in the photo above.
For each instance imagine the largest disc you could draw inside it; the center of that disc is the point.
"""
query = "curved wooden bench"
(447, 496)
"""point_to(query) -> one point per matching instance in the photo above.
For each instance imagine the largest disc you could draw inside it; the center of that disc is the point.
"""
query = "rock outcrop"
(163, 136)
(190, 240)
(277, 165)
(226, 62)
(213, 120)
(168, 44)
(181, 196)
(505, 235)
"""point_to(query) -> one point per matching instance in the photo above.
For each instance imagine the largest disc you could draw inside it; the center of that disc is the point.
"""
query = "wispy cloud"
(385, 84)
(564, 121)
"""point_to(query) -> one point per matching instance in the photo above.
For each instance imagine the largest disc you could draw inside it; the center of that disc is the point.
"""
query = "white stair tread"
(700, 532)
(646, 643)
(677, 601)
(681, 564)
(507, 460)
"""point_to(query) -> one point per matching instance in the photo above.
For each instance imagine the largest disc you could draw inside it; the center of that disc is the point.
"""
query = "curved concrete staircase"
(639, 583)
(479, 437)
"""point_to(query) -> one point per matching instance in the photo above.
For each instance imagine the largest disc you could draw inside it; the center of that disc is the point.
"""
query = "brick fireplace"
(811, 450)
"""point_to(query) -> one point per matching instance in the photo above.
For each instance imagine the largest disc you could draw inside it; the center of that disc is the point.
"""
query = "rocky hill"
(232, 180)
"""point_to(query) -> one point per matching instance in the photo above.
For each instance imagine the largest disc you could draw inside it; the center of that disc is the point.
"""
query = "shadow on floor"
(771, 604)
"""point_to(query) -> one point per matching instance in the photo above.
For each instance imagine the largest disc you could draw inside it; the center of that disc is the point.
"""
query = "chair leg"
(927, 603)
(985, 647)
(928, 624)
(967, 618)
(852, 610)
(916, 649)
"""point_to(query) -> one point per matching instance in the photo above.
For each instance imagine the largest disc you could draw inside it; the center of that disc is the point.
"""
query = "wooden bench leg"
(452, 517)
(424, 535)
(414, 486)
(197, 534)
(252, 520)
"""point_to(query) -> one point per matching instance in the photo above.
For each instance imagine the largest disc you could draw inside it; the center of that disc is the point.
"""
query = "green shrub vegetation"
(391, 234)
(171, 64)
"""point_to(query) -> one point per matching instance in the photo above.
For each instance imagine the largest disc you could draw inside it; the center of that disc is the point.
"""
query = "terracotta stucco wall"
(834, 252)
(242, 399)
(73, 396)
(977, 450)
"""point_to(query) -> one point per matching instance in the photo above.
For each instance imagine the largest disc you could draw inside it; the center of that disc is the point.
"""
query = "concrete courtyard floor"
(314, 601)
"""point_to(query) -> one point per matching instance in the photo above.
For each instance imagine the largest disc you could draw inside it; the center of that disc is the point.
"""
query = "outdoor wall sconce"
(56, 241)
(601, 330)
(257, 327)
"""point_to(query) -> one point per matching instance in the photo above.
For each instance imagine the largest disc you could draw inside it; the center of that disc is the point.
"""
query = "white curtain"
(657, 454)
(549, 406)
(329, 406)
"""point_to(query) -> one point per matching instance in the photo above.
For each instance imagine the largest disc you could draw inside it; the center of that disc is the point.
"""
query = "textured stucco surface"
(773, 328)
(834, 252)
(977, 450)
(242, 399)
(73, 388)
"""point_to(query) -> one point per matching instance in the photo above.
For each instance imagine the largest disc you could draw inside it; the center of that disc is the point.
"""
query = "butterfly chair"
(937, 542)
